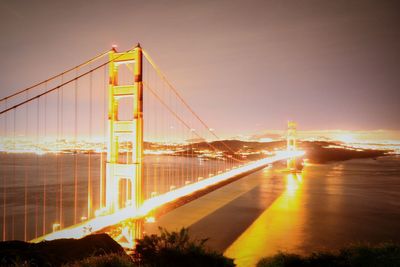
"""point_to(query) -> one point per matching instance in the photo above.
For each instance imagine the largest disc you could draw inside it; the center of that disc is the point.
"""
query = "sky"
(244, 66)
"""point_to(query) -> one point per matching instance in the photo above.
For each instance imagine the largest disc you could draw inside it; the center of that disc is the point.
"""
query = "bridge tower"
(123, 174)
(291, 144)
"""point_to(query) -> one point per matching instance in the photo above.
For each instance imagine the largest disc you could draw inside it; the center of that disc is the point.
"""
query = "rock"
(57, 252)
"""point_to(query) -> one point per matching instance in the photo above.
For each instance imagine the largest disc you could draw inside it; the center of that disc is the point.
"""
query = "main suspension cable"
(163, 77)
(63, 84)
(58, 75)
(178, 117)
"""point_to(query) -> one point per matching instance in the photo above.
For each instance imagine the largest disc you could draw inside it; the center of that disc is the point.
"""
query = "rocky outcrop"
(57, 252)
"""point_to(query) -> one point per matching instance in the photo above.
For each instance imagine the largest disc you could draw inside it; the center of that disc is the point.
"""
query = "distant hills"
(316, 151)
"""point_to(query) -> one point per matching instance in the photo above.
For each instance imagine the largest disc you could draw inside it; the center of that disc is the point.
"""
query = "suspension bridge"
(103, 145)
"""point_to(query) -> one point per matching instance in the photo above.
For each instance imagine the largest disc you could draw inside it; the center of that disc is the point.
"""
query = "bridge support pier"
(127, 232)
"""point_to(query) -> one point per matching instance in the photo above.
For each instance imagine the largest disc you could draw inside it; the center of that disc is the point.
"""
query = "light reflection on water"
(274, 228)
(327, 207)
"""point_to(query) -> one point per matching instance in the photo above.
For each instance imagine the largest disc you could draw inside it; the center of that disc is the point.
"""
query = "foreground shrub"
(383, 255)
(110, 260)
(177, 249)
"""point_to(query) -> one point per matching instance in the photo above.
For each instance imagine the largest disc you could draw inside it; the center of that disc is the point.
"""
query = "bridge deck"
(101, 222)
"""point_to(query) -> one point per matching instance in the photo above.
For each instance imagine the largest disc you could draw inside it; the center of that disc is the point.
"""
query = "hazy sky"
(244, 66)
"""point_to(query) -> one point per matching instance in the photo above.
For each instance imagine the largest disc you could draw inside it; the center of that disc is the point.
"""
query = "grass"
(109, 260)
(361, 255)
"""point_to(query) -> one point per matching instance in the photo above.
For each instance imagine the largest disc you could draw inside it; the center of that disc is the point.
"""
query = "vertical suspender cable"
(181, 157)
(191, 155)
(37, 166)
(104, 139)
(157, 171)
(44, 167)
(13, 205)
(5, 185)
(169, 135)
(146, 130)
(62, 155)
(75, 151)
(89, 192)
(26, 177)
(58, 178)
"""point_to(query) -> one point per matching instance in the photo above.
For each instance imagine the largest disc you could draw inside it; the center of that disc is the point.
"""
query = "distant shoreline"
(325, 152)
(316, 151)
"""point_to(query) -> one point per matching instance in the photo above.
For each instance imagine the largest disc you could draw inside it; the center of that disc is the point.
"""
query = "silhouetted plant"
(108, 260)
(361, 255)
(177, 249)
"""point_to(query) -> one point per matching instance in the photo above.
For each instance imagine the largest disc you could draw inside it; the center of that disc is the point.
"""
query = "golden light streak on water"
(273, 230)
(101, 222)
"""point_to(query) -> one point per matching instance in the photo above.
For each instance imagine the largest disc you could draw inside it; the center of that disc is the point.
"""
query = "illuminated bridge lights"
(130, 213)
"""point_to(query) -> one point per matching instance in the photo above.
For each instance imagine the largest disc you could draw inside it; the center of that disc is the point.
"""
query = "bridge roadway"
(246, 219)
(191, 212)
